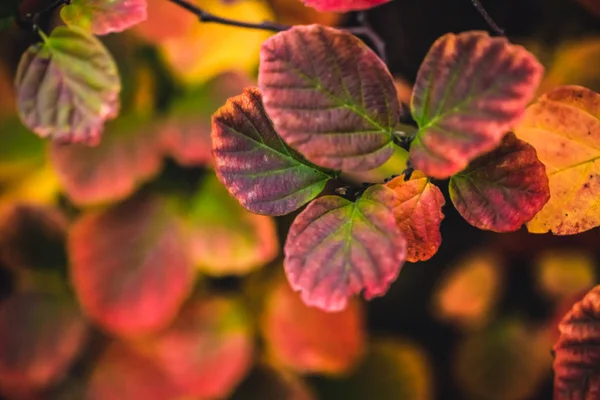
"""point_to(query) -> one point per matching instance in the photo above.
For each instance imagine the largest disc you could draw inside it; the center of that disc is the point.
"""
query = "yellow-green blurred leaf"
(565, 273)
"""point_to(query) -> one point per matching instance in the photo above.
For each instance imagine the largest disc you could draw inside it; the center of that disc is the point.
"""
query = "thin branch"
(477, 4)
(32, 20)
(365, 30)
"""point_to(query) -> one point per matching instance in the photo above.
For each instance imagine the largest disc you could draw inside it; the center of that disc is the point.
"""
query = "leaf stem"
(488, 19)
(365, 30)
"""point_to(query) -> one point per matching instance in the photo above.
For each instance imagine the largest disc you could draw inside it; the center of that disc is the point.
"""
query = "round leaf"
(310, 340)
(470, 90)
(258, 169)
(577, 355)
(343, 5)
(129, 266)
(564, 127)
(40, 335)
(329, 96)
(501, 190)
(336, 248)
(67, 87)
(419, 215)
(104, 16)
(225, 238)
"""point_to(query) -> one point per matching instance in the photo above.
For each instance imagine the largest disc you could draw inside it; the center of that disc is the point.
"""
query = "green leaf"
(67, 87)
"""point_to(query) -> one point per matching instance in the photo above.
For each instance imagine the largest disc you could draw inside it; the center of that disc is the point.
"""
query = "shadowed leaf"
(330, 97)
(128, 155)
(207, 350)
(419, 215)
(343, 5)
(564, 127)
(225, 238)
(9, 9)
(104, 16)
(68, 87)
(258, 169)
(270, 382)
(40, 335)
(121, 373)
(470, 90)
(336, 248)
(309, 340)
(129, 266)
(577, 355)
(501, 190)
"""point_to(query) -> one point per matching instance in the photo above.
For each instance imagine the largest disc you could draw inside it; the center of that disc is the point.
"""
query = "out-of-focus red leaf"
(258, 169)
(68, 87)
(128, 155)
(123, 373)
(7, 93)
(419, 215)
(225, 238)
(343, 5)
(577, 355)
(269, 382)
(32, 237)
(104, 16)
(592, 6)
(130, 266)
(470, 90)
(501, 190)
(309, 340)
(207, 350)
(296, 13)
(330, 97)
(165, 20)
(40, 335)
(336, 248)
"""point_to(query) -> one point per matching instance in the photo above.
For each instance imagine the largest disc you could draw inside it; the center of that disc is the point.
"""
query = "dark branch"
(365, 30)
(487, 17)
(32, 21)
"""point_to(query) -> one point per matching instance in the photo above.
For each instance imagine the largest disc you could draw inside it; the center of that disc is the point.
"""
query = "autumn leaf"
(502, 190)
(419, 215)
(165, 20)
(565, 273)
(258, 169)
(67, 87)
(40, 336)
(225, 238)
(343, 5)
(564, 127)
(296, 13)
(470, 90)
(336, 248)
(330, 97)
(101, 17)
(129, 154)
(309, 340)
(129, 266)
(207, 350)
(577, 356)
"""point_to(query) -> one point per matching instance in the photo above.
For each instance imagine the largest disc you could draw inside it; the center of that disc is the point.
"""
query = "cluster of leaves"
(325, 107)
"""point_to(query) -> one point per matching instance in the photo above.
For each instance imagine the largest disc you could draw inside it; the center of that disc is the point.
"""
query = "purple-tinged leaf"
(343, 5)
(258, 169)
(330, 97)
(501, 190)
(67, 87)
(336, 248)
(470, 90)
(104, 16)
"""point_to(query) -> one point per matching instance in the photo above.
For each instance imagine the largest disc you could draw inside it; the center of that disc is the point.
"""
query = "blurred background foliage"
(127, 271)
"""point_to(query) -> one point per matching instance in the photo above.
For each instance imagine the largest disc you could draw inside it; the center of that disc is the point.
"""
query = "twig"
(487, 17)
(32, 20)
(365, 30)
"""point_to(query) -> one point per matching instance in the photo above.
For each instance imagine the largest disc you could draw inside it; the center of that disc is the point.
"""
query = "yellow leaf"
(208, 49)
(564, 127)
(565, 273)
(39, 186)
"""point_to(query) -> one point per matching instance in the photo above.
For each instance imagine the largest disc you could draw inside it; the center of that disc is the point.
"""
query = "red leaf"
(128, 155)
(309, 340)
(40, 335)
(501, 190)
(343, 5)
(470, 90)
(208, 349)
(258, 169)
(104, 16)
(419, 215)
(130, 267)
(336, 248)
(577, 355)
(330, 97)
(121, 373)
